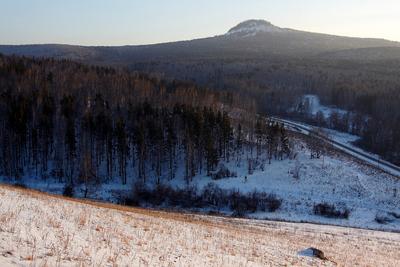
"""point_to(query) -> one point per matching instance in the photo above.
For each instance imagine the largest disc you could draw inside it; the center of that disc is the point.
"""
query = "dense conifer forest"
(81, 124)
(367, 90)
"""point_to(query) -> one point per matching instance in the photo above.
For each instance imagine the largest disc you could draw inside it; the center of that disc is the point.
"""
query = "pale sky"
(130, 22)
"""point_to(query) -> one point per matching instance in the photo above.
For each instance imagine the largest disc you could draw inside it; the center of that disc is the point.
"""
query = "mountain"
(249, 39)
(254, 27)
(276, 67)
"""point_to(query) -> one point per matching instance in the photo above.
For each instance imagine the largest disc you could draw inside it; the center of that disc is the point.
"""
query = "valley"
(188, 133)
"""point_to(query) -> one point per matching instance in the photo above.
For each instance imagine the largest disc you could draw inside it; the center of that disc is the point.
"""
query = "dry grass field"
(38, 229)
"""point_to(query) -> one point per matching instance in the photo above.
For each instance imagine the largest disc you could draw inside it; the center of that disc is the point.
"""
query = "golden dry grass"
(38, 228)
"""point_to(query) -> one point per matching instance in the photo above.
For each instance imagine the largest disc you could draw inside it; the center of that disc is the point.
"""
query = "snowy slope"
(41, 230)
(335, 178)
(343, 142)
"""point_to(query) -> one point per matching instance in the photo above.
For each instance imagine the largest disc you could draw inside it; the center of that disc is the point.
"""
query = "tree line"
(368, 89)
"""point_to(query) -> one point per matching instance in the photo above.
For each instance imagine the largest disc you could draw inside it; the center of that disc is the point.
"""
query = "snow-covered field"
(334, 179)
(42, 230)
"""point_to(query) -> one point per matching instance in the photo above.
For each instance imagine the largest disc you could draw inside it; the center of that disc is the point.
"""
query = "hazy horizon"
(124, 22)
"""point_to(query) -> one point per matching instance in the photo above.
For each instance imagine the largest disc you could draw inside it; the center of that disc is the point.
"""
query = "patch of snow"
(306, 252)
(253, 27)
(315, 106)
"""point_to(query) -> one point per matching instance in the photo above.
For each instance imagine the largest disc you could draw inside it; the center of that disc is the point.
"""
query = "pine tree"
(227, 136)
(122, 147)
(259, 133)
(239, 144)
(67, 111)
(140, 139)
(284, 140)
(171, 143)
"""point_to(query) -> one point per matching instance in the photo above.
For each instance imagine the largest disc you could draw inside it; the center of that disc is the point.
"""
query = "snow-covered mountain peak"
(253, 27)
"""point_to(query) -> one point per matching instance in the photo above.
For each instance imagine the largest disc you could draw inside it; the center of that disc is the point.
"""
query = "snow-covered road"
(344, 146)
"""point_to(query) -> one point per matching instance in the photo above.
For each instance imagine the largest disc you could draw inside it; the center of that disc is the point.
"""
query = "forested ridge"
(276, 67)
(83, 124)
(367, 90)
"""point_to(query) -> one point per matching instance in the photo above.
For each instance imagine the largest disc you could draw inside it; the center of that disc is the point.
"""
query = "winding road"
(370, 159)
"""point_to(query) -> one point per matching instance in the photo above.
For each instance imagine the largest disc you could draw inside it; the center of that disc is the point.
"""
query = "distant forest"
(82, 124)
(367, 89)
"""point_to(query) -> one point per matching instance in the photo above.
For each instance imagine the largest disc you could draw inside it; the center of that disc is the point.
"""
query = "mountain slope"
(251, 38)
(365, 54)
(39, 229)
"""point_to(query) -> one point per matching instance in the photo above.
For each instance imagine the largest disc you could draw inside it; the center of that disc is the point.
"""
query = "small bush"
(222, 173)
(160, 194)
(272, 202)
(214, 196)
(330, 211)
(253, 202)
(386, 217)
(211, 196)
(238, 203)
(382, 219)
(130, 201)
(186, 198)
(20, 185)
(141, 193)
(68, 190)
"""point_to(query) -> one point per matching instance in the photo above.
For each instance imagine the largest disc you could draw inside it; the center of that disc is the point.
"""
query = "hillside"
(142, 137)
(365, 54)
(253, 38)
(276, 67)
(41, 229)
(128, 138)
(288, 190)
